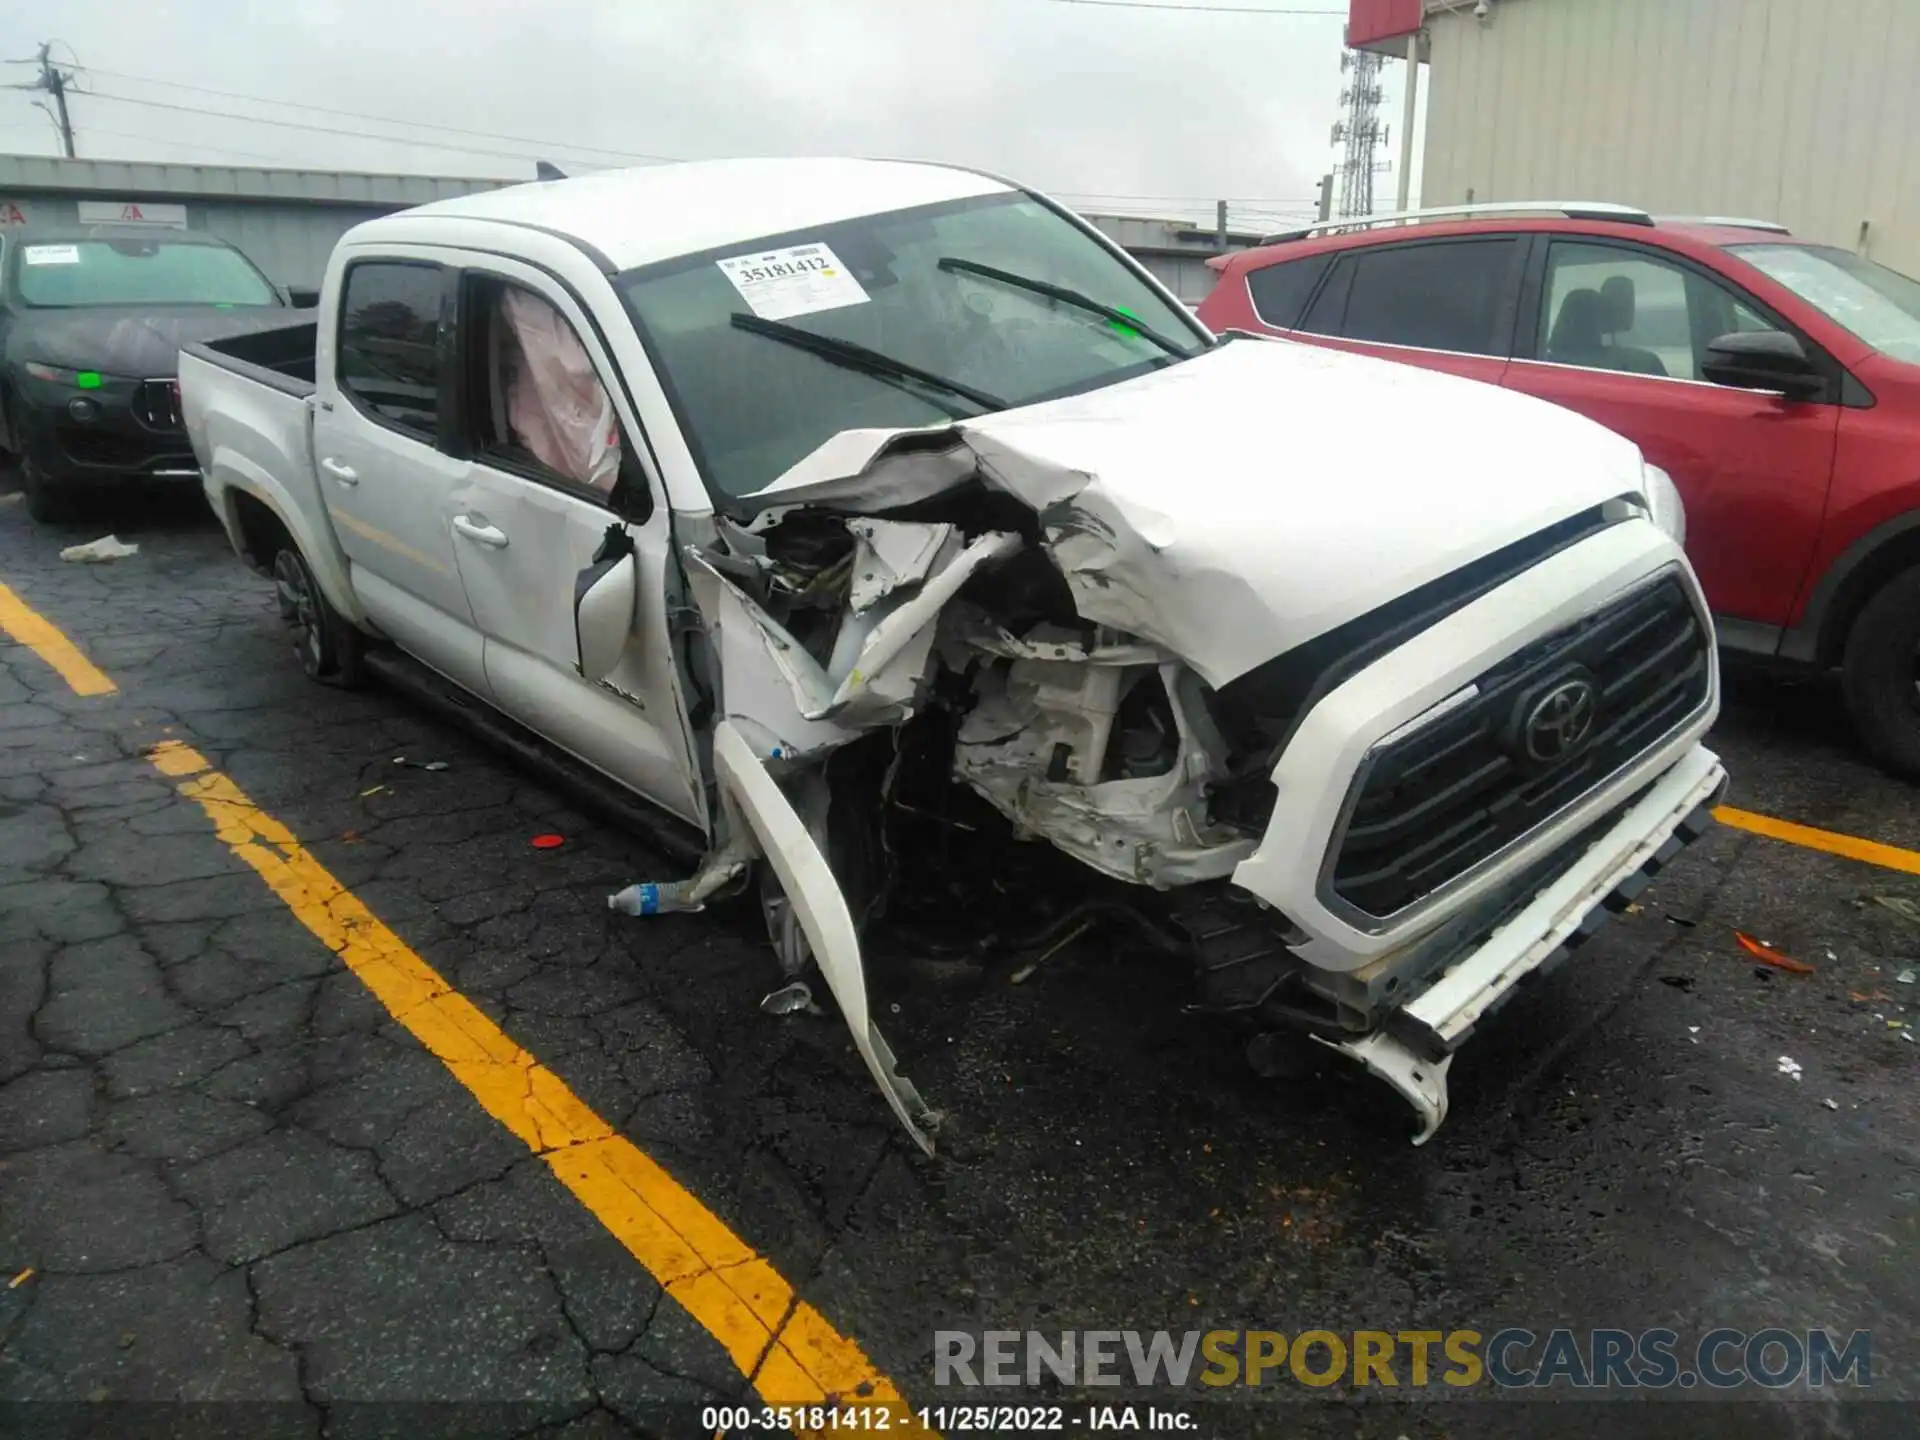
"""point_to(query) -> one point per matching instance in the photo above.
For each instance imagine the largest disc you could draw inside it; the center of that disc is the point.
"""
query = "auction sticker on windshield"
(798, 280)
(51, 254)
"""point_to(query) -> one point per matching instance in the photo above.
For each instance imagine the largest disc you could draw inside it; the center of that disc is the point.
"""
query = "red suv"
(1777, 381)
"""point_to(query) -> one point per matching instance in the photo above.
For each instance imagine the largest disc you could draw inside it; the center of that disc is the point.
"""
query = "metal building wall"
(289, 240)
(286, 221)
(1802, 111)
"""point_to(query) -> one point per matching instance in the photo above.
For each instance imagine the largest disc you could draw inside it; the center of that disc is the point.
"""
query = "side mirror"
(632, 496)
(303, 299)
(604, 595)
(1763, 360)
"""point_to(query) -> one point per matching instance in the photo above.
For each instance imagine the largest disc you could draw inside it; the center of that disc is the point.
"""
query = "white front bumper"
(1414, 1051)
(1315, 771)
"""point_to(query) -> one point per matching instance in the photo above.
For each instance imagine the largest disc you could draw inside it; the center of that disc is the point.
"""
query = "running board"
(598, 794)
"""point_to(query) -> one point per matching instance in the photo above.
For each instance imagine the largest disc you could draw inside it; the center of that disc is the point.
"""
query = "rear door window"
(1453, 295)
(389, 343)
(1328, 313)
(1280, 291)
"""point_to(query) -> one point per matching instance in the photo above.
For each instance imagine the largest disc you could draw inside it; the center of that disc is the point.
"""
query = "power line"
(1195, 9)
(1194, 199)
(318, 129)
(388, 119)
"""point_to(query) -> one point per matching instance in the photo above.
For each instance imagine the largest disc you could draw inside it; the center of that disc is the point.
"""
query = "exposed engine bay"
(870, 658)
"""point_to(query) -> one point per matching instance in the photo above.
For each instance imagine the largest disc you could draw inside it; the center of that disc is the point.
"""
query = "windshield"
(753, 403)
(139, 271)
(1880, 306)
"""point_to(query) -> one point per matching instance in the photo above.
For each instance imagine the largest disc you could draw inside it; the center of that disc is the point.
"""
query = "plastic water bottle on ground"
(656, 899)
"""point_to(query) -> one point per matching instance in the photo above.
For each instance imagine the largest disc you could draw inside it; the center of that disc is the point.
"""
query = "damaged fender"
(756, 801)
(789, 703)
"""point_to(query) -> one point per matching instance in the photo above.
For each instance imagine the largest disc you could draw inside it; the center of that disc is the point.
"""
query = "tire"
(1880, 675)
(327, 646)
(45, 503)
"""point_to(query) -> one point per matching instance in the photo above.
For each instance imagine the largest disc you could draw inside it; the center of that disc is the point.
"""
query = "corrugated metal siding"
(155, 181)
(287, 221)
(289, 241)
(1801, 111)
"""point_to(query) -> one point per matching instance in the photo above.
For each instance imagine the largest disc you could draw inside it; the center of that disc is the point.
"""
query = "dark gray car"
(91, 325)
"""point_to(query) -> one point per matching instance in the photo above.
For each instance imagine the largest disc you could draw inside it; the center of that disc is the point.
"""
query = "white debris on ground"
(1790, 1066)
(96, 552)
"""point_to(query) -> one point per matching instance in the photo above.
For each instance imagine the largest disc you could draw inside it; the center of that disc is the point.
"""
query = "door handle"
(343, 473)
(490, 536)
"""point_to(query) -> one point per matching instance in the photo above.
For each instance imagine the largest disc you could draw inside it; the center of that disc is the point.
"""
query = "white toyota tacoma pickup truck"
(743, 483)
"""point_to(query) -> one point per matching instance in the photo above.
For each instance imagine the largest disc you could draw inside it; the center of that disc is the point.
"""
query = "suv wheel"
(44, 502)
(328, 647)
(1881, 674)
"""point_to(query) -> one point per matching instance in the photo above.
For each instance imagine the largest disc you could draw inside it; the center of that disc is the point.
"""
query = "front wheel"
(45, 503)
(1880, 674)
(326, 644)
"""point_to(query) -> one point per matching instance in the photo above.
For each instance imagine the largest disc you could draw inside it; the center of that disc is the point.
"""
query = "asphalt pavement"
(238, 1195)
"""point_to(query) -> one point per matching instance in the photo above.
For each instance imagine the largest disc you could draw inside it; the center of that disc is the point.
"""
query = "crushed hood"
(1235, 506)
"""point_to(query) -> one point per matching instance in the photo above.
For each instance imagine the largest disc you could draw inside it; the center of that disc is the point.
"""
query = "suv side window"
(1607, 307)
(1445, 295)
(389, 343)
(1280, 291)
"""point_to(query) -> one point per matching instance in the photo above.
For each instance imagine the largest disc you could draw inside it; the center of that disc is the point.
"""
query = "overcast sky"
(1139, 110)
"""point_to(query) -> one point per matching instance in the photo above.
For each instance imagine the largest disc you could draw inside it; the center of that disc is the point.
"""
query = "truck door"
(553, 493)
(383, 376)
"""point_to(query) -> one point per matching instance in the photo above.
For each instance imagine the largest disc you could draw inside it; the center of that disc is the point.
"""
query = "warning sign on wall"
(12, 213)
(133, 212)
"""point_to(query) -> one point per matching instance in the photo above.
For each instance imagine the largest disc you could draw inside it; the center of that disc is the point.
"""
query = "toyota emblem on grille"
(1560, 721)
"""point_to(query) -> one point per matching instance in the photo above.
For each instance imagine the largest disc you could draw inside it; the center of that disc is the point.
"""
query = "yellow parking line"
(787, 1348)
(789, 1351)
(1890, 857)
(39, 636)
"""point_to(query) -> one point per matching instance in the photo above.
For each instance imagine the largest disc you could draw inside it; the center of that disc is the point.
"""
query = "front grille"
(156, 404)
(1430, 807)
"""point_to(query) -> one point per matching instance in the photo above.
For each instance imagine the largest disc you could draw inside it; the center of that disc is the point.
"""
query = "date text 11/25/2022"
(947, 1419)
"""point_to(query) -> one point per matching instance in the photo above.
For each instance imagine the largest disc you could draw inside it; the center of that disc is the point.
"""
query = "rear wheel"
(1881, 674)
(328, 647)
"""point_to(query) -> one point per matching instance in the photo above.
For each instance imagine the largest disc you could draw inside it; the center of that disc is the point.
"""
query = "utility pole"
(1408, 114)
(54, 81)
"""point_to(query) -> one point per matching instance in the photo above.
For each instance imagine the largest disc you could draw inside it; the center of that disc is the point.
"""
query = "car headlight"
(1664, 506)
(59, 375)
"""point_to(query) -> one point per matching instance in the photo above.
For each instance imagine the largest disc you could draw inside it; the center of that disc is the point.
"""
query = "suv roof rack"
(1732, 222)
(1571, 209)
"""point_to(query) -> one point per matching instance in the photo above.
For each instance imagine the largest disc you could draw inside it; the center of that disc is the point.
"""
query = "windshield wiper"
(868, 362)
(1066, 297)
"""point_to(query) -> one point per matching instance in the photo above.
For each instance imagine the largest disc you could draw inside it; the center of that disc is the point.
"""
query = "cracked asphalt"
(251, 1203)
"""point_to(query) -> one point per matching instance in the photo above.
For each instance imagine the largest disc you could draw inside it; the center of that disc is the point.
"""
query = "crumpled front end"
(1306, 729)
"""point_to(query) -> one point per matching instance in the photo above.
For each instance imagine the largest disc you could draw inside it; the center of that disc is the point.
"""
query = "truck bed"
(247, 402)
(281, 357)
